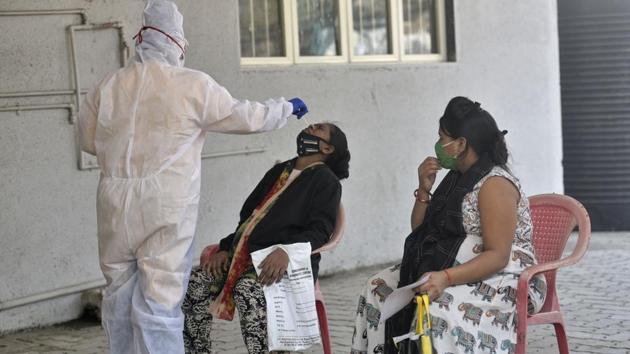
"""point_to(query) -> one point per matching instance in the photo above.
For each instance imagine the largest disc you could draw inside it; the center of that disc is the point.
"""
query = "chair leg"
(323, 326)
(561, 336)
(521, 343)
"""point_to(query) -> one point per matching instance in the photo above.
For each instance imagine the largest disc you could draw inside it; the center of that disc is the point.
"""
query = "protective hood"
(151, 44)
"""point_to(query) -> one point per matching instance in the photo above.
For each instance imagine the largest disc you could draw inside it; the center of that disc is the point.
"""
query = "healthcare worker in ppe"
(147, 123)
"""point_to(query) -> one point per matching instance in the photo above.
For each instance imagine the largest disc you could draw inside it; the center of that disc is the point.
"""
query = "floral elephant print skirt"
(469, 318)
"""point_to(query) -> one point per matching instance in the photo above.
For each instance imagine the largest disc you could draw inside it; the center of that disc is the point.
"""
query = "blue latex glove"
(299, 107)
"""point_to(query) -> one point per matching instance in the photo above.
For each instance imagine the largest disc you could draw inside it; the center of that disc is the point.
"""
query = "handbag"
(418, 341)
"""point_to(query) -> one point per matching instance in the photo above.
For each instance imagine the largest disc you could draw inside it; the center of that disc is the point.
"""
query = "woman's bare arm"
(498, 199)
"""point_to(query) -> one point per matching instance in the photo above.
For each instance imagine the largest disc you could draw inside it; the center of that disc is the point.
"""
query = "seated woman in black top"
(296, 201)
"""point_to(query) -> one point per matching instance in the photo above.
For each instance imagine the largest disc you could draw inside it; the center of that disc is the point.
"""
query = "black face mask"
(308, 144)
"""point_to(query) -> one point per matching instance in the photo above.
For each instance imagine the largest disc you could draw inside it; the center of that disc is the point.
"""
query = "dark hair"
(465, 118)
(339, 160)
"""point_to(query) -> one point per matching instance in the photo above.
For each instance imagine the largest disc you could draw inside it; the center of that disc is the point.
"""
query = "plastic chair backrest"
(553, 223)
(554, 217)
(337, 233)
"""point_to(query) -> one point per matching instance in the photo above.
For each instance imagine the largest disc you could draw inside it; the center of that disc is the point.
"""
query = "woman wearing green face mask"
(472, 236)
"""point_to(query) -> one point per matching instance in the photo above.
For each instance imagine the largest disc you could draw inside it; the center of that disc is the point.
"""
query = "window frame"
(394, 28)
(343, 38)
(287, 59)
(440, 17)
(292, 47)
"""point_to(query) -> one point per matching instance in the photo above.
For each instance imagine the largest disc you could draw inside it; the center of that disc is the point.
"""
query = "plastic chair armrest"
(529, 272)
(326, 247)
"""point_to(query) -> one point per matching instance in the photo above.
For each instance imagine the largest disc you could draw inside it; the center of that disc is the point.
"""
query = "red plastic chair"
(554, 217)
(335, 238)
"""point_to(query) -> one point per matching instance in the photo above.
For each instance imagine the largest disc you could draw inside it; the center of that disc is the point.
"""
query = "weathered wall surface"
(507, 59)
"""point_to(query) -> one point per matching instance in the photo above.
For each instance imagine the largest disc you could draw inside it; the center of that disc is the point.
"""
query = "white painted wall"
(507, 59)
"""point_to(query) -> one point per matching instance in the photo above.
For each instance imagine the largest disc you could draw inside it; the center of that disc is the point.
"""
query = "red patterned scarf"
(223, 305)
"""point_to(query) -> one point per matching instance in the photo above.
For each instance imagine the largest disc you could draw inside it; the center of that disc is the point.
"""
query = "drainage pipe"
(234, 152)
(68, 106)
(51, 294)
(80, 12)
(39, 93)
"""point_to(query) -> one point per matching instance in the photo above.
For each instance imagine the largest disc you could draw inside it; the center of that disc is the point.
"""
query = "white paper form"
(291, 314)
(399, 298)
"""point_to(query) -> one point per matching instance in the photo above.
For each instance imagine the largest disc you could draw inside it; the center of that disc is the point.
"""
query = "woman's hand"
(434, 287)
(426, 173)
(273, 267)
(217, 265)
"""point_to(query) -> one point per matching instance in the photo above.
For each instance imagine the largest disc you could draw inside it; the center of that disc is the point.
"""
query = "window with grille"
(320, 31)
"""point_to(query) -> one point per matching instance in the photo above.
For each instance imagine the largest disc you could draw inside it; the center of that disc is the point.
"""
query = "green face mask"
(445, 161)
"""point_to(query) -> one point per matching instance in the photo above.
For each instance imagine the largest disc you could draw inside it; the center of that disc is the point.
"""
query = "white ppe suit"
(147, 123)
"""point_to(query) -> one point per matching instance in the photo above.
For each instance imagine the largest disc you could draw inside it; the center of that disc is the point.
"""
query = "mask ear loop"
(463, 154)
(460, 154)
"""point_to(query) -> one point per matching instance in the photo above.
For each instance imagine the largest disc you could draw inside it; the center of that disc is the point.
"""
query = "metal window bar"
(373, 37)
(252, 27)
(421, 6)
(409, 28)
(361, 21)
(267, 35)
